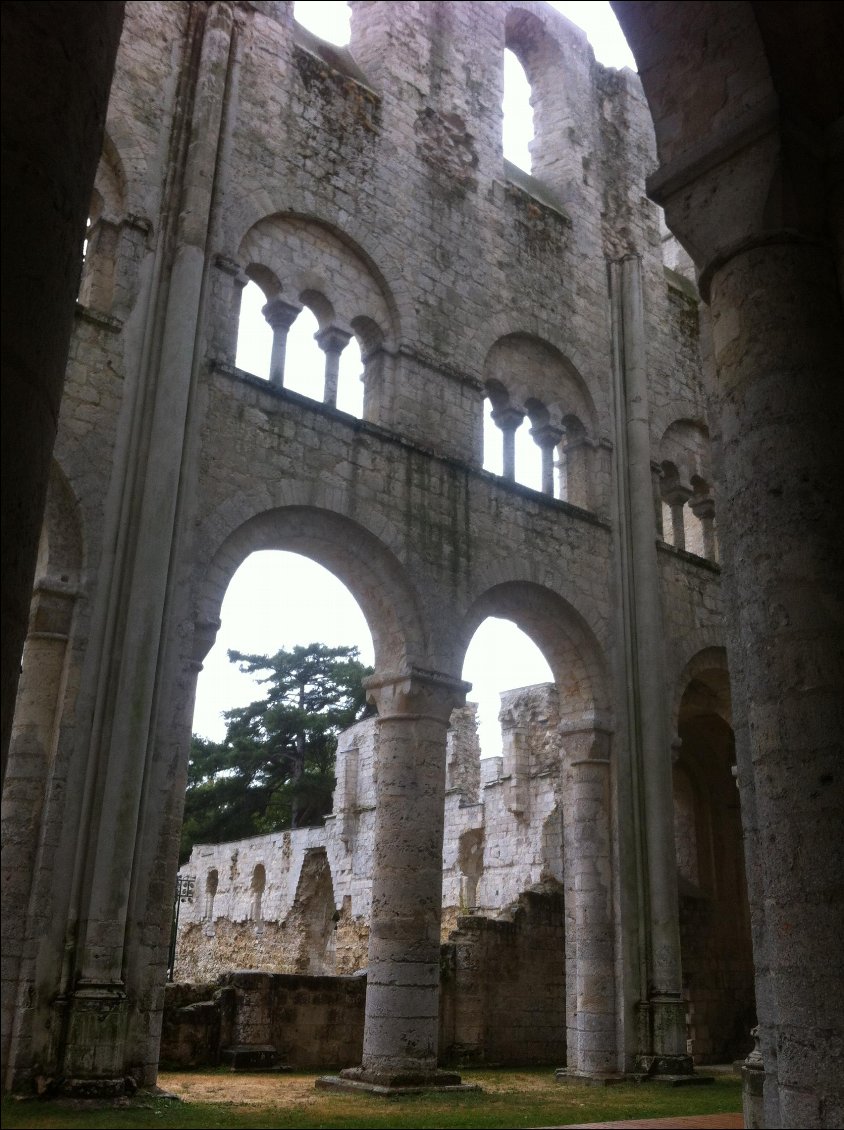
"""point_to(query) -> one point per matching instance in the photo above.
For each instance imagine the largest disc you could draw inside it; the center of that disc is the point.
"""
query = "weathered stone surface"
(370, 185)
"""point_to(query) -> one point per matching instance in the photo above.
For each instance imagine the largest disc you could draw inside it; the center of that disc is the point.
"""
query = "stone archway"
(313, 916)
(581, 712)
(715, 934)
(369, 569)
(414, 703)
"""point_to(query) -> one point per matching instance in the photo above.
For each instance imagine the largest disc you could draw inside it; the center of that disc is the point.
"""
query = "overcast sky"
(279, 600)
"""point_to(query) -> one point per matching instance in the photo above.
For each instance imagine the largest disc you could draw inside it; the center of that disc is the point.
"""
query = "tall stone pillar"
(591, 1038)
(41, 692)
(663, 1039)
(403, 983)
(754, 196)
(56, 72)
(778, 342)
(280, 315)
(509, 420)
(108, 1016)
(332, 341)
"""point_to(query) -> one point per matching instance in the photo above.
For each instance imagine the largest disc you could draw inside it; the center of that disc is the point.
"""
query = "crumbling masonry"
(299, 902)
(369, 185)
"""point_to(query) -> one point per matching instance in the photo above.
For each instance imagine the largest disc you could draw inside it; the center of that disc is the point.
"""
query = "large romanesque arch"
(368, 568)
(743, 109)
(586, 775)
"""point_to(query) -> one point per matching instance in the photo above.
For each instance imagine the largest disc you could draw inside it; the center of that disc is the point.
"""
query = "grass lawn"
(510, 1099)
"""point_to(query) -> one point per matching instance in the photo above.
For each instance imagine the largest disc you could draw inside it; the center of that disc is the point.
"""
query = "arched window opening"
(287, 608)
(500, 658)
(99, 258)
(329, 19)
(528, 458)
(313, 917)
(305, 365)
(211, 883)
(517, 113)
(103, 279)
(254, 333)
(256, 893)
(89, 223)
(702, 537)
(693, 528)
(493, 448)
(675, 495)
(688, 508)
(511, 449)
(350, 380)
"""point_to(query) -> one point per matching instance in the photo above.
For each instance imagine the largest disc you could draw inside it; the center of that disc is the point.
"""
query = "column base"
(394, 1082)
(598, 1079)
(93, 1060)
(666, 1077)
(103, 1088)
(670, 1070)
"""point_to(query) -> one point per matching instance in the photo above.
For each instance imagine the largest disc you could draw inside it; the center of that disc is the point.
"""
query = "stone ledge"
(436, 1081)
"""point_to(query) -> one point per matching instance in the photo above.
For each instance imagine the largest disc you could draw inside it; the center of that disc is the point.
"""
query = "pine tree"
(275, 767)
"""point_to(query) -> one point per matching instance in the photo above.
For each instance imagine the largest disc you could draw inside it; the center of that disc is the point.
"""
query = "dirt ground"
(290, 1089)
(279, 1088)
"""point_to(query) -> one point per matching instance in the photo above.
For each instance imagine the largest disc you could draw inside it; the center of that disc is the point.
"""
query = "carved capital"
(332, 339)
(204, 635)
(547, 436)
(416, 693)
(585, 739)
(508, 419)
(703, 508)
(677, 494)
(280, 314)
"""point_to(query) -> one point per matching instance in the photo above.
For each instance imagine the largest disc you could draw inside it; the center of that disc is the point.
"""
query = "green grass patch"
(510, 1099)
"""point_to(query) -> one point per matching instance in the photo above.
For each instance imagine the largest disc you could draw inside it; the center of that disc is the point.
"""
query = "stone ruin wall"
(370, 184)
(308, 910)
(491, 1007)
(504, 929)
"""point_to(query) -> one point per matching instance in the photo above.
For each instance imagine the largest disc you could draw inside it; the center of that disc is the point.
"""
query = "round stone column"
(778, 342)
(332, 341)
(509, 420)
(703, 509)
(546, 438)
(403, 985)
(591, 1038)
(280, 315)
(676, 498)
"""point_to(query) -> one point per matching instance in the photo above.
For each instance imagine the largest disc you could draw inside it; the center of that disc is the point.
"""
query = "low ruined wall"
(198, 1023)
(502, 1000)
(503, 993)
(313, 1023)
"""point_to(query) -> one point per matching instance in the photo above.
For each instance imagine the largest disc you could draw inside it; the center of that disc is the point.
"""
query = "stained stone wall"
(502, 1001)
(503, 835)
(370, 185)
(505, 887)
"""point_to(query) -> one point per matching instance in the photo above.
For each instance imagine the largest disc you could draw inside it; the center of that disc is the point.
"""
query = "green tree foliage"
(275, 767)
